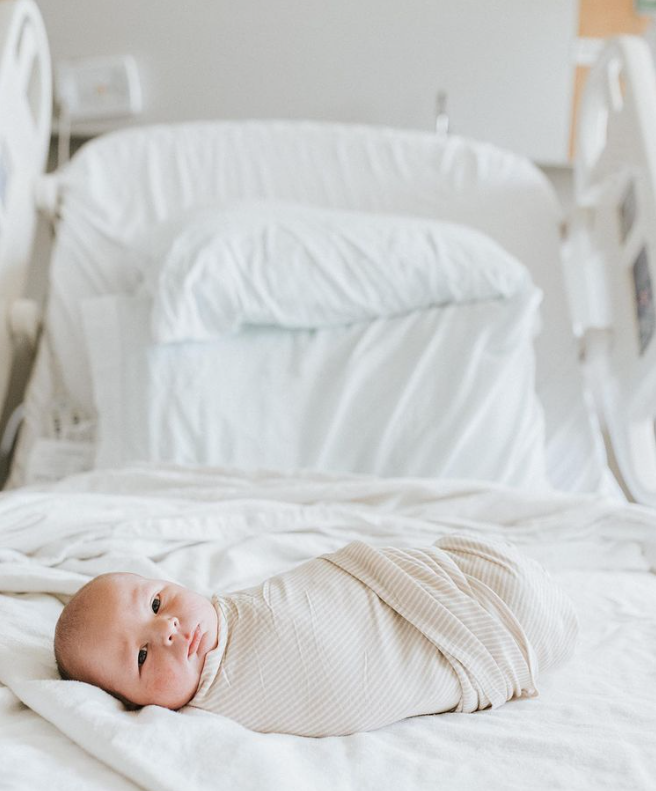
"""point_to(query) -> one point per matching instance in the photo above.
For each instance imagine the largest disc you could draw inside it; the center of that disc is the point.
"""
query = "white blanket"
(590, 727)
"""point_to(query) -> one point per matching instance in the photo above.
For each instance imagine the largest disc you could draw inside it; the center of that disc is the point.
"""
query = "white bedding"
(123, 184)
(591, 727)
(334, 341)
(297, 267)
(385, 397)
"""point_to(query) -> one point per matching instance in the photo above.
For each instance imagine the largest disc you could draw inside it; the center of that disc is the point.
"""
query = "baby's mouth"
(195, 641)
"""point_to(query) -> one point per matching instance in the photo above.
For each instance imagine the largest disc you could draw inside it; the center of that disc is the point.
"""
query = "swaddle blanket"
(357, 639)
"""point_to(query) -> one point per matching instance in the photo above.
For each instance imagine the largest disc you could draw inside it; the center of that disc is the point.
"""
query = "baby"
(346, 642)
(144, 641)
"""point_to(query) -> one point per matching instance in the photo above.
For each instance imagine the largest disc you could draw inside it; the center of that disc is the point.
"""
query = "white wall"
(505, 64)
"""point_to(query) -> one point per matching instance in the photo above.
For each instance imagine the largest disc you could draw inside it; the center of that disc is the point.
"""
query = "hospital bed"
(230, 456)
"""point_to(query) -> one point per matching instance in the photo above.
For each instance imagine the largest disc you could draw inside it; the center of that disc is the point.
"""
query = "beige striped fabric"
(363, 637)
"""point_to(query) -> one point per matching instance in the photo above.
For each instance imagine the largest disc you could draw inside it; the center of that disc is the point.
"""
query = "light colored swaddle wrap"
(363, 637)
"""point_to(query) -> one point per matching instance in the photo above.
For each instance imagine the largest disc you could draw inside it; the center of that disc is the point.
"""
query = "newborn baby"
(144, 641)
(349, 641)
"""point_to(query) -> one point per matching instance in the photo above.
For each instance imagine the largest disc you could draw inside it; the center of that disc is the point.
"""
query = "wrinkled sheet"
(388, 397)
(591, 727)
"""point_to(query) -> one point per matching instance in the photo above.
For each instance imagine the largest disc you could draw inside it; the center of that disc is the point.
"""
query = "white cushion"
(303, 267)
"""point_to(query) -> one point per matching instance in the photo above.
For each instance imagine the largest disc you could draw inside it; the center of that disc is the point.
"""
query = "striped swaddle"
(363, 637)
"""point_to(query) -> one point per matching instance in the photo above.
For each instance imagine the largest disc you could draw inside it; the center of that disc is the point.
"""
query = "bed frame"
(610, 251)
(611, 254)
(25, 118)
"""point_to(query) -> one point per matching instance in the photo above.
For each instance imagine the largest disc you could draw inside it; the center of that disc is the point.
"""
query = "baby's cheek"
(166, 679)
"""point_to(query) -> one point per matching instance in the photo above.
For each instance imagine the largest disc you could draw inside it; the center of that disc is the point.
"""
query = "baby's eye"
(155, 604)
(142, 656)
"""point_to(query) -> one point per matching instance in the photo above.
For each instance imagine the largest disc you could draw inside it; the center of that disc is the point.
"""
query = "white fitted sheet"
(118, 185)
(387, 397)
(592, 725)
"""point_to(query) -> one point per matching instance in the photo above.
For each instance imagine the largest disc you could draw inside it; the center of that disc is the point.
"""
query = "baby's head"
(144, 641)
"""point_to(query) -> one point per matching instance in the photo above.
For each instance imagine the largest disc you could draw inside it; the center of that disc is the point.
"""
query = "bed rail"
(25, 119)
(612, 253)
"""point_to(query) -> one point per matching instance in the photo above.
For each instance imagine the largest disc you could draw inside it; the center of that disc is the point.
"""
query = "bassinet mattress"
(591, 726)
(120, 185)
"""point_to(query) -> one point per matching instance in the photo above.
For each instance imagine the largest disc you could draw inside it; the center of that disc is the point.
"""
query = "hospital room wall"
(505, 65)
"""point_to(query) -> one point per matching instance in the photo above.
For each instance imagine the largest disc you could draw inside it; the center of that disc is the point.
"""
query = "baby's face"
(147, 639)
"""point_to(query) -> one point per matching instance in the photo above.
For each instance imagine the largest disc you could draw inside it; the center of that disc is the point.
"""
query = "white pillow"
(215, 271)
(443, 392)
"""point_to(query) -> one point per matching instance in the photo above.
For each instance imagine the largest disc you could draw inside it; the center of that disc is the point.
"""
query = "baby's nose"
(169, 627)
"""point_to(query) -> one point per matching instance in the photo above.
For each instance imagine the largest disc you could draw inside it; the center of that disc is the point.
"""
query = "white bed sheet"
(118, 185)
(591, 727)
(390, 397)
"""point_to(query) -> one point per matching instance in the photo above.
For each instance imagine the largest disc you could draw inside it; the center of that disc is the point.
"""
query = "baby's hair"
(71, 624)
(67, 632)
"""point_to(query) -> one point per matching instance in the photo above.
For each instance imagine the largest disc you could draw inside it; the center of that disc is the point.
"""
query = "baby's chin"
(172, 705)
(170, 700)
(165, 701)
